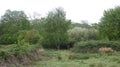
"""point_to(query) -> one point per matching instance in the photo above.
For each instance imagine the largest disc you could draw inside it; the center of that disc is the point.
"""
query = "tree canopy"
(11, 23)
(56, 27)
(109, 26)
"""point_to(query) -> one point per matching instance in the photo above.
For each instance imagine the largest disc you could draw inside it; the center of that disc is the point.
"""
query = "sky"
(76, 10)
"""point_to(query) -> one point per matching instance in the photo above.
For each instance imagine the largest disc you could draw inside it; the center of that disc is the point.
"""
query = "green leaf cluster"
(109, 26)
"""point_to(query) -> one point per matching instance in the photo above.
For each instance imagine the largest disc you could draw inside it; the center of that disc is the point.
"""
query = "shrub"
(21, 53)
(31, 36)
(55, 41)
(5, 55)
(93, 46)
(82, 34)
(20, 49)
(8, 38)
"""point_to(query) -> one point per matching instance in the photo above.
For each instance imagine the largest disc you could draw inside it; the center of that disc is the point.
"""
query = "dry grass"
(104, 50)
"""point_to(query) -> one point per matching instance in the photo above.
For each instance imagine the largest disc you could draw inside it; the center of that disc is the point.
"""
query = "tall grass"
(79, 60)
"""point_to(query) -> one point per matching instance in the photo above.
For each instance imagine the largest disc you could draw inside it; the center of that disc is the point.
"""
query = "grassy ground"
(65, 58)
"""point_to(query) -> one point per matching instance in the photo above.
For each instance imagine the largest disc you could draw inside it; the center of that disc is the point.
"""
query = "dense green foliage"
(12, 22)
(20, 49)
(93, 46)
(32, 37)
(38, 25)
(55, 31)
(56, 27)
(16, 50)
(16, 54)
(109, 26)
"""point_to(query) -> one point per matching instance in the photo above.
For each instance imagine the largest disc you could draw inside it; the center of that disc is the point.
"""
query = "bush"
(20, 49)
(8, 38)
(20, 53)
(55, 41)
(32, 36)
(82, 34)
(5, 55)
(93, 46)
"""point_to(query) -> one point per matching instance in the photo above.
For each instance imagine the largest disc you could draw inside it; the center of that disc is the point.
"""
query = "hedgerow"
(93, 46)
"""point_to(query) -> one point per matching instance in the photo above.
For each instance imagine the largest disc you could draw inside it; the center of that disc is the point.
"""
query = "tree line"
(55, 31)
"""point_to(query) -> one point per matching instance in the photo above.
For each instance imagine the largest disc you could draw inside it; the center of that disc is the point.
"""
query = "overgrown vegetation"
(93, 46)
(78, 34)
(110, 24)
(21, 40)
(78, 60)
(10, 23)
(56, 27)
